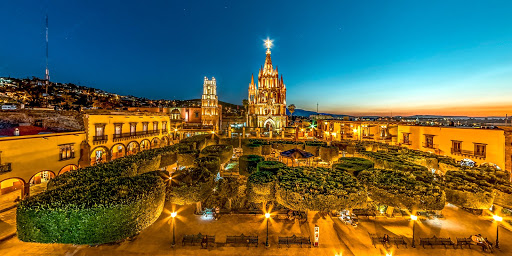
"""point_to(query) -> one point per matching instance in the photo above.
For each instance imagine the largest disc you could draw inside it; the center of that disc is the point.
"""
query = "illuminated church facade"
(267, 99)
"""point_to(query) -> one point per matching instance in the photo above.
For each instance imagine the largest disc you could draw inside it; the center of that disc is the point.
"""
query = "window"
(100, 129)
(145, 127)
(456, 146)
(406, 138)
(164, 126)
(480, 150)
(429, 141)
(133, 128)
(196, 114)
(66, 152)
(155, 126)
(118, 129)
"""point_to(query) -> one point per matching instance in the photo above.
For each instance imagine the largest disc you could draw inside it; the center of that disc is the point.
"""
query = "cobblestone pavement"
(336, 238)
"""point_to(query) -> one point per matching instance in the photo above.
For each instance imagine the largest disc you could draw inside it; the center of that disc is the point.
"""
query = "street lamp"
(413, 218)
(267, 216)
(498, 219)
(173, 215)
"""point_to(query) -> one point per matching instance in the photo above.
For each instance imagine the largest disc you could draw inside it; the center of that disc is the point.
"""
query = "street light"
(267, 216)
(413, 218)
(498, 219)
(173, 215)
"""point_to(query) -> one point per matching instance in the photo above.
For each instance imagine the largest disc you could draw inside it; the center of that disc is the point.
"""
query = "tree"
(291, 108)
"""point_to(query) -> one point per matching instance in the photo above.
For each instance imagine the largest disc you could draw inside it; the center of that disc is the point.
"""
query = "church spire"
(268, 61)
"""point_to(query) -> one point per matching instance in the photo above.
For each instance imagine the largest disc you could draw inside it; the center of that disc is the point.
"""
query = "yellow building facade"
(33, 159)
(479, 145)
(110, 136)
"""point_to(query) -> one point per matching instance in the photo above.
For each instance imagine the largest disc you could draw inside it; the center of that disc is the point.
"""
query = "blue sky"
(354, 57)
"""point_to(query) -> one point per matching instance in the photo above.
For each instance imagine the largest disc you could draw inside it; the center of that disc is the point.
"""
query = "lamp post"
(413, 218)
(267, 216)
(173, 215)
(498, 219)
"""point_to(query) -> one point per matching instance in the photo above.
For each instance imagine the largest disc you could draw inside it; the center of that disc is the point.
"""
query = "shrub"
(190, 185)
(249, 164)
(186, 158)
(352, 165)
(402, 190)
(252, 149)
(270, 166)
(328, 153)
(313, 147)
(223, 152)
(318, 189)
(93, 213)
(211, 163)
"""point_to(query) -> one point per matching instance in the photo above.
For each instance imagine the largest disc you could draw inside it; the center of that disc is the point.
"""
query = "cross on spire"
(268, 44)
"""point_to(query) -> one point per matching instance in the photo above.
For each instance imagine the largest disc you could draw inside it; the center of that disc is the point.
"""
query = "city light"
(267, 215)
(173, 214)
(414, 217)
(497, 218)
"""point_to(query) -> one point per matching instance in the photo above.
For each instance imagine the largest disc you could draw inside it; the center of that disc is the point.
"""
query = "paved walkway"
(336, 238)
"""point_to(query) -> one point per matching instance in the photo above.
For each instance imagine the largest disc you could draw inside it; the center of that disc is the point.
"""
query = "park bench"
(398, 241)
(242, 239)
(464, 241)
(197, 239)
(376, 239)
(364, 213)
(289, 240)
(436, 241)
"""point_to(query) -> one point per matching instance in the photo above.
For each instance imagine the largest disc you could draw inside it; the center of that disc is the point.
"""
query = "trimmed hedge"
(211, 163)
(223, 152)
(402, 190)
(313, 147)
(352, 165)
(270, 166)
(190, 185)
(328, 153)
(252, 149)
(318, 189)
(92, 213)
(186, 158)
(249, 164)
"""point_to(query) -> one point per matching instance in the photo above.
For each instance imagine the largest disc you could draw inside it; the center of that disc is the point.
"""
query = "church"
(267, 99)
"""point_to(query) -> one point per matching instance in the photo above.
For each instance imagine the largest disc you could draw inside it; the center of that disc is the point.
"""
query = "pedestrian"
(217, 213)
(204, 242)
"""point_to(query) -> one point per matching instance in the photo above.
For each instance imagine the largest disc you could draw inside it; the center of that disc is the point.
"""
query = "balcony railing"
(131, 135)
(405, 142)
(71, 156)
(467, 153)
(429, 145)
(100, 139)
(368, 136)
(5, 168)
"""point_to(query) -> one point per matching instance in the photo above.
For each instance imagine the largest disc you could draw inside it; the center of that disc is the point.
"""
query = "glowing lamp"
(173, 214)
(497, 218)
(355, 130)
(414, 217)
(267, 215)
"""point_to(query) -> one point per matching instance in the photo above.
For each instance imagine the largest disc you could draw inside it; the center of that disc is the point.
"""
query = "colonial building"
(478, 144)
(267, 100)
(210, 104)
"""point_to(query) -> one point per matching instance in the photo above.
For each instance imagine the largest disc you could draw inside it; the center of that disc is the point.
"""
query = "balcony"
(134, 135)
(405, 142)
(5, 168)
(429, 145)
(467, 153)
(99, 139)
(71, 156)
(368, 136)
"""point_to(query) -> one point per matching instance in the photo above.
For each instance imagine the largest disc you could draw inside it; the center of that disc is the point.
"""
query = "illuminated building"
(210, 104)
(267, 99)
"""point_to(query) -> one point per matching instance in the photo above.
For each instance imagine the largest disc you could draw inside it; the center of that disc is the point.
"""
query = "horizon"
(449, 59)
